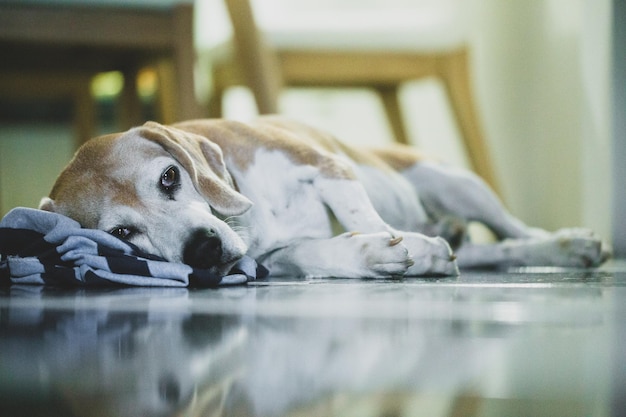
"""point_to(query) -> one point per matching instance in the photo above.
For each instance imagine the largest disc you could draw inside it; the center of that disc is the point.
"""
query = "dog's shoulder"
(302, 139)
(395, 156)
(400, 157)
(300, 142)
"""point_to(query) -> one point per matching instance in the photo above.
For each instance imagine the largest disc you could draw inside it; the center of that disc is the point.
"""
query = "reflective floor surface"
(533, 342)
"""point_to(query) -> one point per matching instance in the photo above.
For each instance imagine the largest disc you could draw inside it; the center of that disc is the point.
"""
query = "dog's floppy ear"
(204, 162)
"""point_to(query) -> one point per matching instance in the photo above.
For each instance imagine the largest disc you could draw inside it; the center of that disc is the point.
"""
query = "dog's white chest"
(286, 204)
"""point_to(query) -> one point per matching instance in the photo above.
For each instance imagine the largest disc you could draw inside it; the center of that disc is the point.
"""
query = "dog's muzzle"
(203, 250)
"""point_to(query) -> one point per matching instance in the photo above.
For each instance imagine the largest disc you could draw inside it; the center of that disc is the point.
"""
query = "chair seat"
(405, 28)
(391, 31)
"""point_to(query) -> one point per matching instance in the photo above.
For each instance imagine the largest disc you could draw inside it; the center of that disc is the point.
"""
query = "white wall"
(542, 81)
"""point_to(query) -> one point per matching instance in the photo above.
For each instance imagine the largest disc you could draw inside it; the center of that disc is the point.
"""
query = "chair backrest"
(258, 62)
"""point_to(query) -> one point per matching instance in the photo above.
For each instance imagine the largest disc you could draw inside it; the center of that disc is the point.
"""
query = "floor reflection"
(483, 345)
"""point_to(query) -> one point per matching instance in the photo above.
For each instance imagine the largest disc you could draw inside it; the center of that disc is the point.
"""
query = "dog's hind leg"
(456, 192)
(577, 248)
(450, 191)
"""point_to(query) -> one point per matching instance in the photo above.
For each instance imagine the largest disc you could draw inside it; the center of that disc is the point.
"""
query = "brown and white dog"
(205, 192)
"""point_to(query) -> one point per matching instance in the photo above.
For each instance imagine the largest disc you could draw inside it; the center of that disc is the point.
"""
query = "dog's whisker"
(239, 227)
(232, 222)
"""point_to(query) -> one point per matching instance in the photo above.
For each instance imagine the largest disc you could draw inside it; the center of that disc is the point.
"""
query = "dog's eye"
(170, 180)
(122, 232)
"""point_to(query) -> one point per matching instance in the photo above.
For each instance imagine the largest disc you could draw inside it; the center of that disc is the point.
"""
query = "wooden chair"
(52, 51)
(266, 66)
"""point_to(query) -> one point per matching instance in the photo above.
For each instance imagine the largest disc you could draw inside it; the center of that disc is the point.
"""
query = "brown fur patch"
(303, 145)
(89, 157)
(89, 183)
(399, 157)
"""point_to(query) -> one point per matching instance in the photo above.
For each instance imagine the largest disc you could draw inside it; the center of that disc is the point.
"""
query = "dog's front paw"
(378, 255)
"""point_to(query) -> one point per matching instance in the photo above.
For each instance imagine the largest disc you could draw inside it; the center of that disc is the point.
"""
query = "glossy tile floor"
(534, 342)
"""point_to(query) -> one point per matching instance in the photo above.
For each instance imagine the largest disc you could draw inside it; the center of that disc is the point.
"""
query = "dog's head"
(164, 190)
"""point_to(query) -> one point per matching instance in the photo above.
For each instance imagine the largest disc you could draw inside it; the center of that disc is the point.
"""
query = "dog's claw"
(394, 241)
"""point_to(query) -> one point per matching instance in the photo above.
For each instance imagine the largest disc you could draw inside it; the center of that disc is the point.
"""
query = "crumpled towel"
(39, 247)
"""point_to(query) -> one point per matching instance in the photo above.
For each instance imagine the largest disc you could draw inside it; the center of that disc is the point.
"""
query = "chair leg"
(84, 112)
(166, 96)
(454, 72)
(260, 66)
(391, 103)
(129, 113)
(183, 57)
(465, 404)
(216, 103)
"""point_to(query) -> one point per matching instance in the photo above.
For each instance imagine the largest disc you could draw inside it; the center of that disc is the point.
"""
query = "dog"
(296, 199)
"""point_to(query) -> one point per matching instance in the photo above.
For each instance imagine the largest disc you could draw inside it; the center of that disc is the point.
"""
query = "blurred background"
(539, 76)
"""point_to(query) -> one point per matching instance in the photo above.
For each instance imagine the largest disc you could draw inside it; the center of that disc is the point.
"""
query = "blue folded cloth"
(39, 247)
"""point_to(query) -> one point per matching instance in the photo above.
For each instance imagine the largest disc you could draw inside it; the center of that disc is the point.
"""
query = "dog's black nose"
(203, 249)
